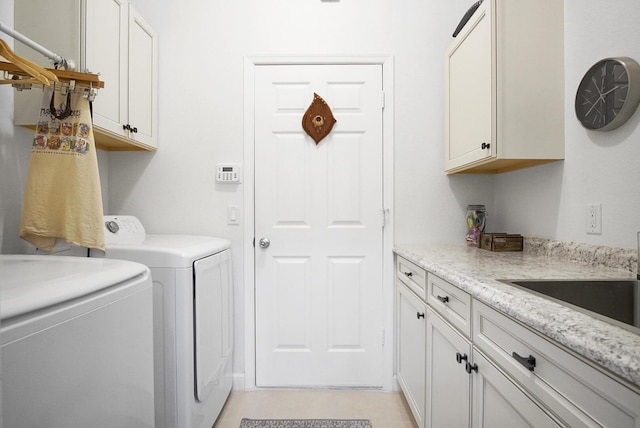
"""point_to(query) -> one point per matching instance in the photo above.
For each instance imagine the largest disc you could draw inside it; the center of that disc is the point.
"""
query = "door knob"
(264, 242)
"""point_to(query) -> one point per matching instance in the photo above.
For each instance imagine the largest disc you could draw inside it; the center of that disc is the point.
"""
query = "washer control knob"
(112, 226)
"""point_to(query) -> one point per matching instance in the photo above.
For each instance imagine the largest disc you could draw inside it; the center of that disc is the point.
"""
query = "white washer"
(76, 340)
(193, 297)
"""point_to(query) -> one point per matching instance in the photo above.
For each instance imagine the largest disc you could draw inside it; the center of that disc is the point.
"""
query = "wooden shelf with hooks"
(64, 76)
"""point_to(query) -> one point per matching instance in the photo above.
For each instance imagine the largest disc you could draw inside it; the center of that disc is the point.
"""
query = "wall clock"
(608, 94)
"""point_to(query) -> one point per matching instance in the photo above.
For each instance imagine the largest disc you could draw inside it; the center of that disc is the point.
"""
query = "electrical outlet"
(594, 219)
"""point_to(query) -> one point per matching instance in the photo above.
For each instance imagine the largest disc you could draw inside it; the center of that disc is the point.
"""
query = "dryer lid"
(126, 239)
(168, 251)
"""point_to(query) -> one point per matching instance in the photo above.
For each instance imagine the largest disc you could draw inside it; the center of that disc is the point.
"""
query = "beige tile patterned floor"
(383, 409)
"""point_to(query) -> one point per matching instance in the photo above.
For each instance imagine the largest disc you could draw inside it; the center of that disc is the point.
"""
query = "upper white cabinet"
(504, 88)
(107, 37)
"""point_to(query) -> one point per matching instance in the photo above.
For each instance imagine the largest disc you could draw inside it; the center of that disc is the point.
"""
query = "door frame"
(250, 64)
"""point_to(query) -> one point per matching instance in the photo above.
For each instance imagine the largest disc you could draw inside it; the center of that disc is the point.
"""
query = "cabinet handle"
(409, 274)
(471, 367)
(461, 357)
(420, 315)
(528, 362)
(485, 146)
(444, 299)
(128, 127)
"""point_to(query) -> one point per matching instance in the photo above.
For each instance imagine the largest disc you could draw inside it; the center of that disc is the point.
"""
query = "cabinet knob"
(471, 367)
(409, 274)
(420, 315)
(485, 146)
(461, 357)
(444, 299)
(529, 362)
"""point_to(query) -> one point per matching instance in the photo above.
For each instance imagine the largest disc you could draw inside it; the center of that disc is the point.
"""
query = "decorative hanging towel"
(318, 119)
(62, 198)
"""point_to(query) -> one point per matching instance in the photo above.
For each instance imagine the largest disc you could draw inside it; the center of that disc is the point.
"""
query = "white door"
(319, 317)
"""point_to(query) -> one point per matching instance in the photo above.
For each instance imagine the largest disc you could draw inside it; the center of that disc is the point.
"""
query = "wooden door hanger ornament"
(318, 119)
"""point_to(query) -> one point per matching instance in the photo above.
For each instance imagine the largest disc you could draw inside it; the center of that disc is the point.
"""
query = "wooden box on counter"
(501, 242)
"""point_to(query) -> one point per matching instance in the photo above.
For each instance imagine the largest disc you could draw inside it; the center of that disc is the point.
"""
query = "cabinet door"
(497, 402)
(143, 77)
(106, 53)
(470, 92)
(411, 314)
(448, 384)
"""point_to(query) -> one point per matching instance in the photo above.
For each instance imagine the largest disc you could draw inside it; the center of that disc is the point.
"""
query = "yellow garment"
(62, 198)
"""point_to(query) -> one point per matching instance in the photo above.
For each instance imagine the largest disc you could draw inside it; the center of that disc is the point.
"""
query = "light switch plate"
(233, 214)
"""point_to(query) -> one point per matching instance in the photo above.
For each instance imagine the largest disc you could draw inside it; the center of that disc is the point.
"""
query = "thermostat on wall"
(228, 173)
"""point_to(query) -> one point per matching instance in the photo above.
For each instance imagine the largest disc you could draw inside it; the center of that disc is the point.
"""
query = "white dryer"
(76, 342)
(193, 318)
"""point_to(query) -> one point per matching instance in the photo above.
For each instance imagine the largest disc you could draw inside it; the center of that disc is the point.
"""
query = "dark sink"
(616, 299)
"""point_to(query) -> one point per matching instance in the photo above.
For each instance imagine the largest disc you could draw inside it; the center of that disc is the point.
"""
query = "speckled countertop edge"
(479, 272)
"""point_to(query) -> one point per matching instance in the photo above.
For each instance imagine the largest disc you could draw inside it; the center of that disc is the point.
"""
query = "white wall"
(599, 167)
(174, 190)
(15, 146)
(202, 44)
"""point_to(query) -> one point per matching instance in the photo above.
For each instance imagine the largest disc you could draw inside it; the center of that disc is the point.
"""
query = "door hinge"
(383, 100)
(385, 215)
(254, 242)
(383, 336)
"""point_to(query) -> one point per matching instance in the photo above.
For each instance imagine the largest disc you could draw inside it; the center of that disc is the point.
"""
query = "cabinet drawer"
(452, 303)
(498, 402)
(413, 276)
(578, 393)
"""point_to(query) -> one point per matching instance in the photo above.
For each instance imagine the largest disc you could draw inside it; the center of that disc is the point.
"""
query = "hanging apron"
(62, 199)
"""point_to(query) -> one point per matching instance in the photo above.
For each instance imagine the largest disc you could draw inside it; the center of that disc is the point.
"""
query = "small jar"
(476, 220)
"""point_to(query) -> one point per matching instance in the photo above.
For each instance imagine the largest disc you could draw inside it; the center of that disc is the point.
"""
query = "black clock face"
(602, 94)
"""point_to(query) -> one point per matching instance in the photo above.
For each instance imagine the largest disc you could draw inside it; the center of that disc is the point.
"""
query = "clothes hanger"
(38, 73)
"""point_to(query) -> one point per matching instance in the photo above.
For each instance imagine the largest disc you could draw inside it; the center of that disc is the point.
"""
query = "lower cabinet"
(410, 320)
(465, 390)
(461, 363)
(448, 383)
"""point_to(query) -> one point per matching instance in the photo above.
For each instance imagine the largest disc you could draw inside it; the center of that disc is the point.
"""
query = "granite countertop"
(479, 272)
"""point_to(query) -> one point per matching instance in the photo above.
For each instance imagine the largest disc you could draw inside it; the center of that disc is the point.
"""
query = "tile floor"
(383, 409)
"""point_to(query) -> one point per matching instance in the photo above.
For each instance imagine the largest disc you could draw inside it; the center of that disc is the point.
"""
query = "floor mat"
(305, 423)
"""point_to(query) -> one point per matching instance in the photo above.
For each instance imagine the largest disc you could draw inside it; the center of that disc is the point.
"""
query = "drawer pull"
(409, 274)
(444, 299)
(461, 357)
(528, 362)
(471, 367)
(420, 315)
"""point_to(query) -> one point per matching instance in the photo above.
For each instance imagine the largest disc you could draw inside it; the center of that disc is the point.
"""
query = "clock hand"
(593, 106)
(593, 79)
(600, 98)
(610, 90)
